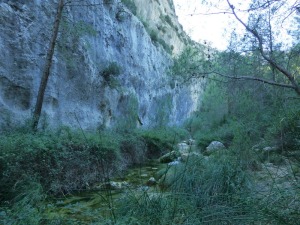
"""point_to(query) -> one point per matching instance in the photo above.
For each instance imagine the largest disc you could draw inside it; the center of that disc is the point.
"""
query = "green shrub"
(154, 36)
(56, 159)
(29, 203)
(210, 191)
(224, 134)
(167, 48)
(213, 190)
(111, 70)
(65, 161)
(110, 73)
(190, 64)
(169, 20)
(160, 141)
(133, 148)
(286, 131)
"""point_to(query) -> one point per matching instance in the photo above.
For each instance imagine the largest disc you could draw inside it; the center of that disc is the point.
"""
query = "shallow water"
(92, 206)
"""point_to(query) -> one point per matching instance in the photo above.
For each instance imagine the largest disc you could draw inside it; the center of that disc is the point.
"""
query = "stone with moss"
(169, 157)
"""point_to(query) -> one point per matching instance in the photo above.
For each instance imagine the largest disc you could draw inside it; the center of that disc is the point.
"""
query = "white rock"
(183, 147)
(176, 162)
(113, 185)
(169, 157)
(215, 146)
(152, 181)
(270, 149)
(191, 155)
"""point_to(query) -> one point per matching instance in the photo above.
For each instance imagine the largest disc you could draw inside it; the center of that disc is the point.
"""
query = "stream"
(86, 206)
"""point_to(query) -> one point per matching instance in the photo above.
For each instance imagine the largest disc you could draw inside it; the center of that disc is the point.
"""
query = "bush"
(286, 131)
(111, 70)
(29, 204)
(62, 161)
(154, 36)
(167, 48)
(188, 63)
(224, 134)
(110, 73)
(65, 161)
(169, 20)
(133, 148)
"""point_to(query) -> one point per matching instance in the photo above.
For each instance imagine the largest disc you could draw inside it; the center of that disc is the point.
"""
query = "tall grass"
(65, 161)
(200, 192)
(219, 189)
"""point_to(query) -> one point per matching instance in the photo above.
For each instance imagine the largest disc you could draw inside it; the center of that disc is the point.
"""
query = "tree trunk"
(48, 64)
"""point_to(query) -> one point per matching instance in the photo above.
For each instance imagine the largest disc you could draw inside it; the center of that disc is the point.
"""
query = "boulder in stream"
(151, 182)
(113, 185)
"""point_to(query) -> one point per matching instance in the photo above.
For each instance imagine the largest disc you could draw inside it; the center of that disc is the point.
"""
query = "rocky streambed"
(104, 198)
(144, 185)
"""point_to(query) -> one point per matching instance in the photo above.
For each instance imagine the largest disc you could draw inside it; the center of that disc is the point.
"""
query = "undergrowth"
(65, 161)
(219, 189)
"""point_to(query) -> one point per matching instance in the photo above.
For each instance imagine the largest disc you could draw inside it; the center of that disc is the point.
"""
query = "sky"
(214, 28)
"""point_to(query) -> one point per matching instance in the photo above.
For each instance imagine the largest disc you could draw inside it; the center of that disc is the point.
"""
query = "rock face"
(164, 22)
(84, 89)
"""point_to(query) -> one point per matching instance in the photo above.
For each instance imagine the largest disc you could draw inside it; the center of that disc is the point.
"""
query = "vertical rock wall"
(106, 69)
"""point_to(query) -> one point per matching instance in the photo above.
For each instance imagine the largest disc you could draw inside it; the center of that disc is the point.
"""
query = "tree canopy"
(266, 50)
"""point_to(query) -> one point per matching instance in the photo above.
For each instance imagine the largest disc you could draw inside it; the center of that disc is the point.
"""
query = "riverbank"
(66, 177)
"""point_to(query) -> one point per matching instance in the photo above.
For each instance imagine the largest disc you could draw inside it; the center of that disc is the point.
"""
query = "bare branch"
(256, 79)
(209, 14)
(265, 81)
(251, 78)
(285, 72)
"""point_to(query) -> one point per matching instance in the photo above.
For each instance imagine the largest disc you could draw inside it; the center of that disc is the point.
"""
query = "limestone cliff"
(160, 17)
(107, 70)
